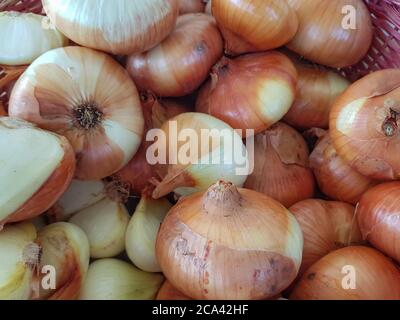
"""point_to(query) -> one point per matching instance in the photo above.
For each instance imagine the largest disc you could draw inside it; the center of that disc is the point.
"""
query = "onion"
(333, 33)
(351, 273)
(104, 223)
(112, 279)
(378, 216)
(140, 239)
(254, 25)
(326, 226)
(317, 90)
(229, 243)
(86, 96)
(120, 27)
(25, 37)
(16, 272)
(191, 6)
(281, 166)
(188, 175)
(36, 168)
(250, 92)
(65, 247)
(335, 177)
(179, 64)
(364, 125)
(168, 292)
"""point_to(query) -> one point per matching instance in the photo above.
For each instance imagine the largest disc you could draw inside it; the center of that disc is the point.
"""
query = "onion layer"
(86, 96)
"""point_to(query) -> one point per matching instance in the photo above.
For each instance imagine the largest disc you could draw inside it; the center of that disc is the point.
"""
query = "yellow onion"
(86, 96)
(141, 234)
(65, 247)
(119, 27)
(229, 243)
(281, 168)
(104, 223)
(179, 64)
(333, 33)
(326, 226)
(112, 279)
(252, 91)
(207, 161)
(335, 177)
(168, 292)
(254, 25)
(317, 90)
(378, 216)
(351, 273)
(191, 6)
(36, 168)
(16, 264)
(364, 125)
(25, 36)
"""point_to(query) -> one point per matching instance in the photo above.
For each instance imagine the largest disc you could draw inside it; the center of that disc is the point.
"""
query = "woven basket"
(384, 52)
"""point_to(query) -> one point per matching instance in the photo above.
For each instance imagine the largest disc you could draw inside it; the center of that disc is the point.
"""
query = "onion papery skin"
(168, 292)
(326, 226)
(191, 6)
(229, 243)
(334, 176)
(254, 25)
(31, 180)
(364, 125)
(128, 27)
(376, 277)
(317, 90)
(179, 64)
(252, 91)
(281, 168)
(322, 37)
(87, 97)
(378, 216)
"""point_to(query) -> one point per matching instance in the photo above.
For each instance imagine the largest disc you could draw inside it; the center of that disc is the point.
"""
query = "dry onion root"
(87, 97)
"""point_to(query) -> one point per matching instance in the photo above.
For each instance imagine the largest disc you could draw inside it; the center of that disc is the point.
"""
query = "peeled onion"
(119, 27)
(333, 33)
(86, 96)
(179, 64)
(36, 168)
(281, 168)
(378, 216)
(351, 273)
(191, 6)
(335, 177)
(254, 25)
(364, 125)
(24, 37)
(326, 226)
(252, 91)
(229, 243)
(168, 292)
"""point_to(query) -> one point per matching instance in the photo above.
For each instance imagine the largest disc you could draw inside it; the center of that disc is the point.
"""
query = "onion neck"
(222, 196)
(173, 180)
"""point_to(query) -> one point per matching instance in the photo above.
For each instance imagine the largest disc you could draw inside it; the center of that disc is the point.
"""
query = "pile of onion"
(252, 91)
(229, 243)
(364, 125)
(281, 168)
(90, 99)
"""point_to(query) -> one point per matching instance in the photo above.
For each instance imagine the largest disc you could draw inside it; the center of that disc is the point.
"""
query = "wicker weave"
(384, 52)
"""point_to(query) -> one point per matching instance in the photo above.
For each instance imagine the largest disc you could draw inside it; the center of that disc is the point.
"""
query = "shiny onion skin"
(326, 226)
(376, 277)
(254, 25)
(252, 91)
(36, 168)
(229, 243)
(364, 125)
(191, 6)
(87, 97)
(281, 168)
(168, 292)
(179, 64)
(334, 176)
(322, 37)
(379, 218)
(317, 90)
(128, 27)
